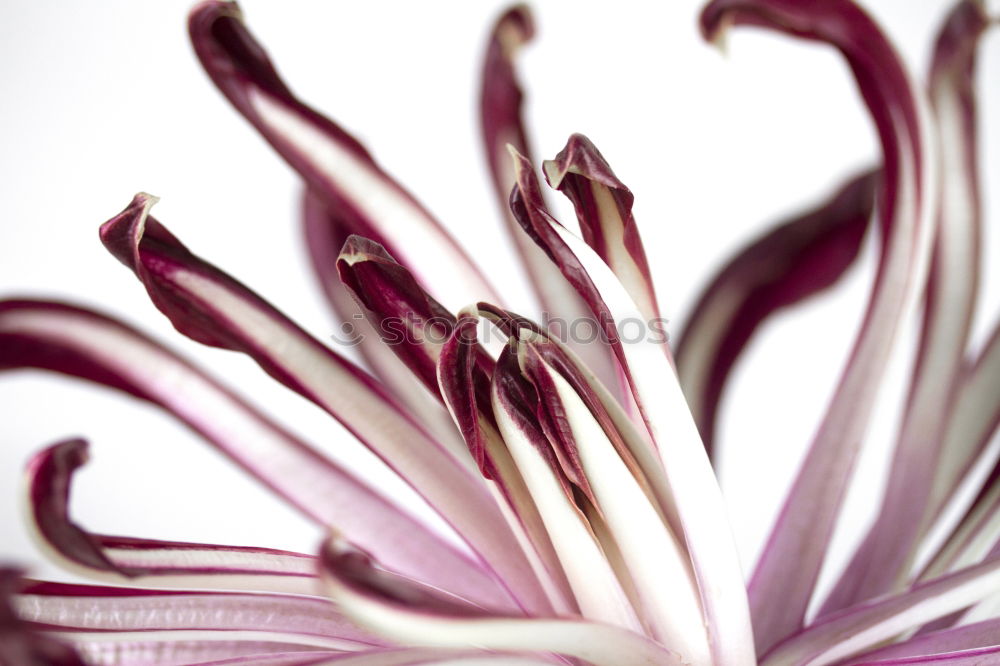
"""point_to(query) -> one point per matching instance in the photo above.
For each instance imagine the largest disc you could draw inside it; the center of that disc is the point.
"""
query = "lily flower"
(585, 524)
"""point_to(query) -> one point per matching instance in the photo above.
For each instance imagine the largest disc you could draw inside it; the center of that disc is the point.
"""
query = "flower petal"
(975, 657)
(334, 164)
(132, 613)
(464, 375)
(975, 537)
(974, 420)
(664, 586)
(595, 587)
(407, 318)
(326, 231)
(853, 630)
(88, 345)
(648, 368)
(788, 264)
(159, 563)
(19, 642)
(882, 560)
(502, 125)
(419, 620)
(979, 635)
(779, 594)
(604, 209)
(211, 307)
(104, 650)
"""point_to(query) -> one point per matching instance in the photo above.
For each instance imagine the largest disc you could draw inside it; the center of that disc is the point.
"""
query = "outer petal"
(102, 649)
(973, 421)
(80, 610)
(853, 630)
(790, 263)
(332, 162)
(502, 125)
(779, 594)
(882, 561)
(91, 346)
(158, 563)
(968, 637)
(20, 644)
(421, 620)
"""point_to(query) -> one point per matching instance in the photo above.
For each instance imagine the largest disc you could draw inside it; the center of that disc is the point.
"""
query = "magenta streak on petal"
(783, 582)
(20, 643)
(326, 230)
(409, 320)
(854, 630)
(604, 209)
(882, 561)
(98, 650)
(93, 608)
(406, 322)
(334, 164)
(502, 125)
(90, 346)
(202, 566)
(210, 306)
(465, 372)
(292, 658)
(975, 657)
(968, 637)
(792, 262)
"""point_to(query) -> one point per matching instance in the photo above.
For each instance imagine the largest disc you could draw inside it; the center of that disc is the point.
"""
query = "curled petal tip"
(715, 22)
(515, 27)
(119, 233)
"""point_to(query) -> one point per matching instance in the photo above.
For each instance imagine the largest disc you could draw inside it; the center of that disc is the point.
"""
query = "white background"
(101, 100)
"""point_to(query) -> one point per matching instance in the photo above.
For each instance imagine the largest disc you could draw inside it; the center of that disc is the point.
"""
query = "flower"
(577, 478)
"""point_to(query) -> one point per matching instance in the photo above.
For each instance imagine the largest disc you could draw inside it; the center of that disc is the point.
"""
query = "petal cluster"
(585, 523)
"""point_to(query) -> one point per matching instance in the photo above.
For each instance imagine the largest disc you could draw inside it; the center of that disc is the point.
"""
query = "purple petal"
(464, 374)
(162, 563)
(977, 657)
(779, 593)
(502, 125)
(101, 650)
(790, 263)
(854, 630)
(334, 164)
(326, 231)
(409, 321)
(969, 637)
(91, 346)
(407, 615)
(21, 644)
(880, 564)
(78, 610)
(647, 367)
(604, 208)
